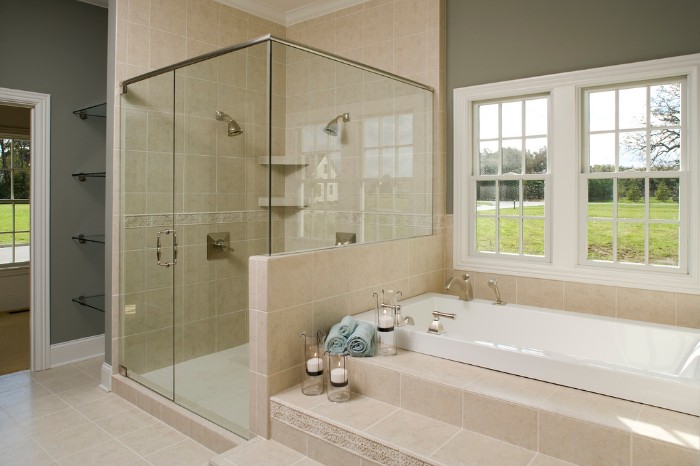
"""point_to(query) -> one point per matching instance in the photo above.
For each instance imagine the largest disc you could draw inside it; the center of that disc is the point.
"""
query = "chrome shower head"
(234, 129)
(332, 127)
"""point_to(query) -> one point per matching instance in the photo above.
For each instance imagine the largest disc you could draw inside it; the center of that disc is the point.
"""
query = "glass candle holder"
(386, 324)
(338, 378)
(313, 364)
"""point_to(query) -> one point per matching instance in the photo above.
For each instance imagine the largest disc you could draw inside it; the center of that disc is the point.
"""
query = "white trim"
(40, 219)
(77, 350)
(289, 17)
(565, 91)
(106, 377)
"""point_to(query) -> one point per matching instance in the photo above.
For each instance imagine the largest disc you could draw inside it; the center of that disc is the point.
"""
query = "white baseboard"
(106, 377)
(77, 350)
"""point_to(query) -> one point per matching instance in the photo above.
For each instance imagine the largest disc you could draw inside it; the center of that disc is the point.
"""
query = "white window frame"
(565, 210)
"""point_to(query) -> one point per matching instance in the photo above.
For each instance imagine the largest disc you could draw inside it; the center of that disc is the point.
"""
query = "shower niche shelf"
(82, 239)
(96, 302)
(289, 160)
(281, 202)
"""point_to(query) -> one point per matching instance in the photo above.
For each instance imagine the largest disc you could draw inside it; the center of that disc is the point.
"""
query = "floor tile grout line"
(93, 445)
(394, 411)
(445, 442)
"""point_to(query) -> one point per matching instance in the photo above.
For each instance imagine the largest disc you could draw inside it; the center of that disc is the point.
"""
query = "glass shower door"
(149, 249)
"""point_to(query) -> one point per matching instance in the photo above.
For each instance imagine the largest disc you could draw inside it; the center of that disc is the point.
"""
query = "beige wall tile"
(411, 54)
(348, 32)
(591, 299)
(582, 443)
(438, 401)
(233, 29)
(375, 382)
(201, 15)
(647, 452)
(410, 17)
(646, 305)
(668, 426)
(288, 436)
(540, 293)
(166, 48)
(506, 285)
(284, 328)
(169, 16)
(139, 11)
(505, 421)
(472, 448)
(376, 21)
(597, 409)
(289, 281)
(688, 310)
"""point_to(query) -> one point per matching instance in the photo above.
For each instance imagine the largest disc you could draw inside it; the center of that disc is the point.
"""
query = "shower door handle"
(158, 248)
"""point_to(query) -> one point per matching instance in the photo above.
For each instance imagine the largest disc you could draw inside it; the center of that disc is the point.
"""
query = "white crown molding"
(100, 3)
(291, 17)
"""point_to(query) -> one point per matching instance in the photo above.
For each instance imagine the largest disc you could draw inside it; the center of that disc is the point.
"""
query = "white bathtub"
(648, 363)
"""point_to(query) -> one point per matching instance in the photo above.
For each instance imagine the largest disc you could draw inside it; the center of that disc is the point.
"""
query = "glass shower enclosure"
(261, 148)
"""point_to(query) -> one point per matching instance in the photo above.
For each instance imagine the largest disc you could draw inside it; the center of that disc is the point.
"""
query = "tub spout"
(467, 292)
(493, 284)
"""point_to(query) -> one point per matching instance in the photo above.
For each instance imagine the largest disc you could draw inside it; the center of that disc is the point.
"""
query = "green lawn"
(22, 223)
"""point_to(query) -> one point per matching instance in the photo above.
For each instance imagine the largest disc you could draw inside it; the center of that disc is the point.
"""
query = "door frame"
(39, 200)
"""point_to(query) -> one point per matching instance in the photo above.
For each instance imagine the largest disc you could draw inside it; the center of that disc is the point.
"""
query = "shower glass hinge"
(123, 371)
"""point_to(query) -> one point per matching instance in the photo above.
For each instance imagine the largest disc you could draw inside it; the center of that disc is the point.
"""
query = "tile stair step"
(262, 452)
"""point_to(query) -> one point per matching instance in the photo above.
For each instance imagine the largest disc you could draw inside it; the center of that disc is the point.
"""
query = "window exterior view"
(14, 200)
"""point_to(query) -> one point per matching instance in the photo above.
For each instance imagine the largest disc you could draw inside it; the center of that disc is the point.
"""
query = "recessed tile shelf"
(288, 160)
(82, 239)
(96, 302)
(281, 202)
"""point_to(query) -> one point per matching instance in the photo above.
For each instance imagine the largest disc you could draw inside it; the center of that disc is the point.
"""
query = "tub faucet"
(467, 293)
(493, 284)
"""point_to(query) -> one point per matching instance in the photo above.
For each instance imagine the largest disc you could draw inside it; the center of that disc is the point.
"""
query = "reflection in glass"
(371, 132)
(665, 149)
(536, 155)
(602, 152)
(508, 235)
(533, 237)
(631, 193)
(486, 234)
(633, 151)
(509, 197)
(663, 244)
(371, 163)
(512, 119)
(387, 162)
(632, 108)
(511, 156)
(388, 134)
(536, 117)
(405, 162)
(488, 121)
(601, 111)
(488, 158)
(486, 198)
(630, 242)
(663, 198)
(600, 241)
(406, 129)
(600, 198)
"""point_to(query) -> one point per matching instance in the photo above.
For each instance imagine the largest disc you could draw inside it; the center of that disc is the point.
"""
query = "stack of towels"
(351, 336)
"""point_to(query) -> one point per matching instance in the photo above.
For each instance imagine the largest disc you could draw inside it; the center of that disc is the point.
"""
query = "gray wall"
(498, 40)
(59, 47)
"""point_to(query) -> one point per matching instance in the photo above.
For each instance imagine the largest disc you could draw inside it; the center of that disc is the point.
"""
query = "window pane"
(508, 235)
(486, 234)
(663, 199)
(22, 217)
(533, 237)
(5, 153)
(486, 198)
(602, 152)
(602, 111)
(512, 119)
(600, 241)
(21, 181)
(630, 242)
(387, 162)
(5, 248)
(633, 107)
(630, 198)
(372, 163)
(663, 244)
(371, 133)
(536, 155)
(665, 105)
(533, 195)
(633, 151)
(511, 153)
(665, 149)
(509, 196)
(536, 117)
(488, 158)
(21, 154)
(388, 134)
(405, 162)
(600, 198)
(488, 121)
(406, 129)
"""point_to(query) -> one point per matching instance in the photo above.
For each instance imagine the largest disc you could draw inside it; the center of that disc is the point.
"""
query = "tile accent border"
(345, 438)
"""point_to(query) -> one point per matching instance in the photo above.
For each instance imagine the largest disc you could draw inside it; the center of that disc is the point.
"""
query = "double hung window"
(14, 200)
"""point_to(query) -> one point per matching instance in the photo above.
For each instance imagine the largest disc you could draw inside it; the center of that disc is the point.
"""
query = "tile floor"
(61, 417)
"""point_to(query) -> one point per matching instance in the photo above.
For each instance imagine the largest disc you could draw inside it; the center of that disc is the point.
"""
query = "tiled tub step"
(413, 407)
(261, 452)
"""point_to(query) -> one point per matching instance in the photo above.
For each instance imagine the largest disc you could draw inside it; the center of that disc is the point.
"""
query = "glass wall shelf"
(96, 302)
(99, 110)
(82, 176)
(82, 239)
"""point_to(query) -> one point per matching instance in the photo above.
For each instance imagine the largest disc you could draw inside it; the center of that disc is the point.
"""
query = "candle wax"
(314, 365)
(339, 375)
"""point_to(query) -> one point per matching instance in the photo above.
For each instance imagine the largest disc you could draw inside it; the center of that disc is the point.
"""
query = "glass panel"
(633, 108)
(536, 117)
(486, 234)
(5, 184)
(665, 149)
(488, 121)
(5, 153)
(630, 242)
(536, 155)
(22, 221)
(600, 198)
(533, 237)
(663, 244)
(21, 184)
(406, 129)
(630, 198)
(509, 197)
(388, 134)
(488, 158)
(600, 241)
(387, 162)
(601, 111)
(6, 249)
(371, 132)
(508, 235)
(486, 198)
(6, 240)
(663, 200)
(21, 154)
(633, 151)
(602, 152)
(665, 104)
(533, 196)
(511, 119)
(371, 163)
(405, 163)
(511, 155)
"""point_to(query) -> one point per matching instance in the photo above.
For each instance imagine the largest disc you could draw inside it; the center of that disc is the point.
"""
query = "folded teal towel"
(361, 342)
(347, 326)
(336, 343)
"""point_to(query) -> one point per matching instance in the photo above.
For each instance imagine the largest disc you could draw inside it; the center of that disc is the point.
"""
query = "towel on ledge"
(361, 342)
(336, 343)
(347, 326)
